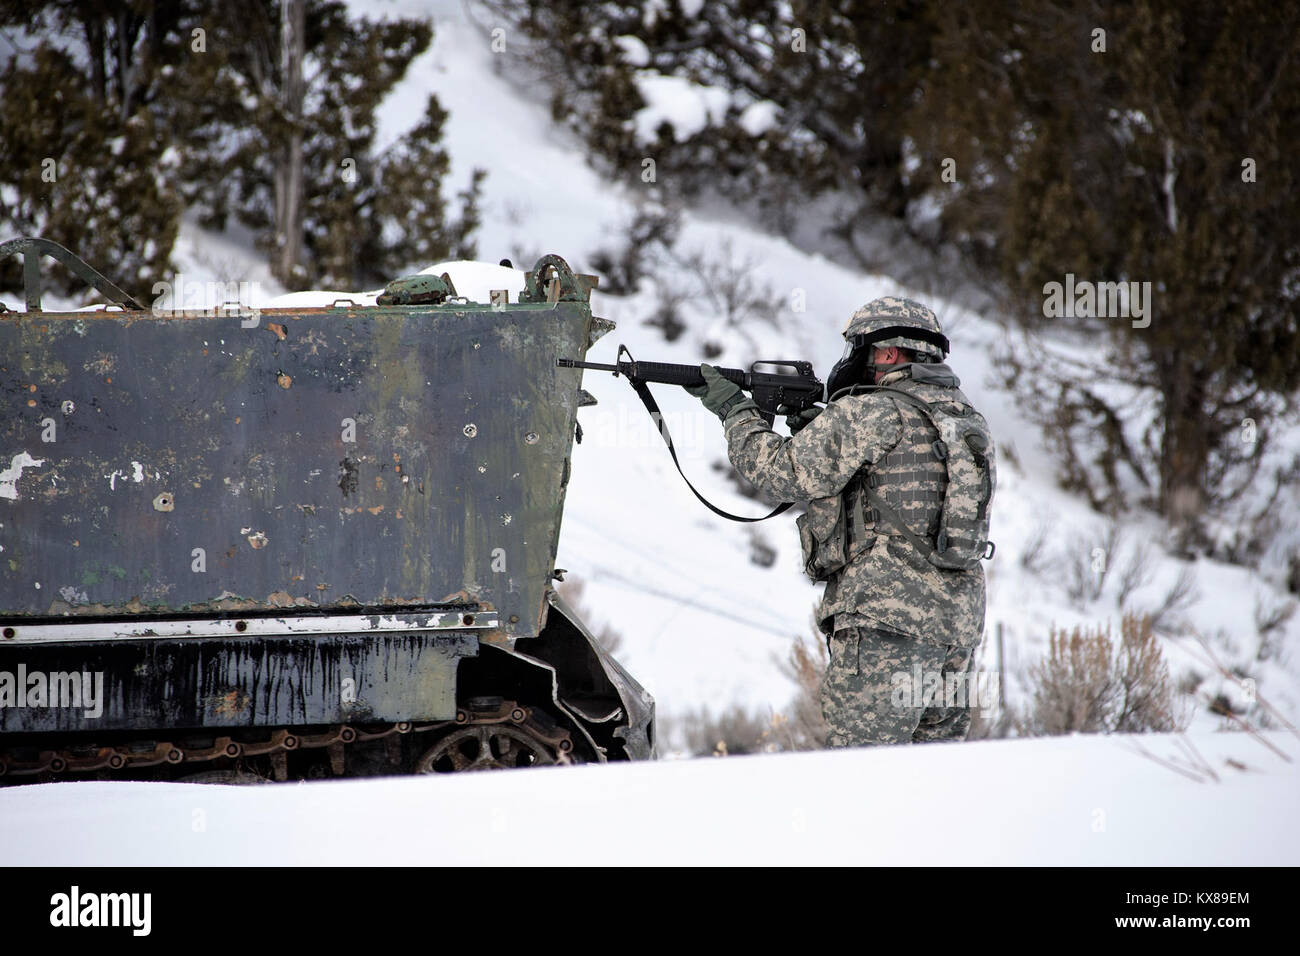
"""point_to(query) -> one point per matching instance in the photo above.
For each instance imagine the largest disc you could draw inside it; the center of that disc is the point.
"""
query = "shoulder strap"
(940, 559)
(643, 391)
(920, 403)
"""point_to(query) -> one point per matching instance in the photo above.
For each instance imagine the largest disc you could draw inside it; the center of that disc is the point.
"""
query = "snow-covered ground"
(1065, 800)
(704, 625)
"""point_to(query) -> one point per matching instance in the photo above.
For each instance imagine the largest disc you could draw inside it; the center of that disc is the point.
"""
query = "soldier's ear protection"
(849, 370)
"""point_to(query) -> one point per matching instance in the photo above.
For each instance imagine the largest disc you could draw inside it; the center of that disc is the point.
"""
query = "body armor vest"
(911, 478)
(932, 488)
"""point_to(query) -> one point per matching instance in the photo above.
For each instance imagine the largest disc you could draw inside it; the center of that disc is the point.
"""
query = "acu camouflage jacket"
(887, 584)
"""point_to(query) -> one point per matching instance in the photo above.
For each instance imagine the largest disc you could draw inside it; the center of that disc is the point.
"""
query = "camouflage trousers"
(867, 693)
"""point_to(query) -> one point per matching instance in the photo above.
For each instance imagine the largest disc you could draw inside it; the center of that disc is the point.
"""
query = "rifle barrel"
(571, 363)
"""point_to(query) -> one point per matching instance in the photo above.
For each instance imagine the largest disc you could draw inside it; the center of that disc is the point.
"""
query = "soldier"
(895, 524)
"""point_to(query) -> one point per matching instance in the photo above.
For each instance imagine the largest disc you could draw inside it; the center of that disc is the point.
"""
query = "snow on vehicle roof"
(473, 280)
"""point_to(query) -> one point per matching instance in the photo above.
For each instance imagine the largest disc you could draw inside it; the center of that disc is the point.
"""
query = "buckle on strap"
(730, 404)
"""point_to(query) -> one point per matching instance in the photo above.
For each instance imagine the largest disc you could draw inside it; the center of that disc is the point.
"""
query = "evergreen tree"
(811, 92)
(1160, 151)
(85, 135)
(288, 127)
(1046, 156)
(118, 114)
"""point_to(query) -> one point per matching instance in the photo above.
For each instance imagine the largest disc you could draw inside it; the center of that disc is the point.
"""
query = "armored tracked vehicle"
(289, 543)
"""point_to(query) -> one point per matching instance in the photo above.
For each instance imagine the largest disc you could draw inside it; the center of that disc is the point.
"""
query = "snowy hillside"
(702, 623)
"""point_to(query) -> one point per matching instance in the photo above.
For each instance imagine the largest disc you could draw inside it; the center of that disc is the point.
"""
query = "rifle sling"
(643, 391)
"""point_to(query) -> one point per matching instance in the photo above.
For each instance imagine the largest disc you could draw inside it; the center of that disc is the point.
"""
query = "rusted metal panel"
(198, 682)
(322, 458)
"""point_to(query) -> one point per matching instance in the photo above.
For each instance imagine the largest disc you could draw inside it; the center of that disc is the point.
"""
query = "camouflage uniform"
(888, 610)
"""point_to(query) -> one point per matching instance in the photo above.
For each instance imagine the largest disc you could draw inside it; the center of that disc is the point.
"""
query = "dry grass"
(798, 727)
(734, 731)
(803, 728)
(1090, 683)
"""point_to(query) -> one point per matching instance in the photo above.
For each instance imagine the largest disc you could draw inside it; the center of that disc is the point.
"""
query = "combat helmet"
(894, 321)
(881, 323)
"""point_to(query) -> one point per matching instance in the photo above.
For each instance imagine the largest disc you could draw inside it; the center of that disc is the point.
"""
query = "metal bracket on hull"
(134, 630)
(32, 248)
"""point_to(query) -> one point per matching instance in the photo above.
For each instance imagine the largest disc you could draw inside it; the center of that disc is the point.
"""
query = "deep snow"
(1067, 800)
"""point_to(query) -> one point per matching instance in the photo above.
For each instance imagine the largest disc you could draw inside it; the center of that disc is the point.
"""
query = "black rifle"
(774, 393)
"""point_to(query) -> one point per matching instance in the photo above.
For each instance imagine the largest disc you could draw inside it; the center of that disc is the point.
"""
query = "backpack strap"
(882, 508)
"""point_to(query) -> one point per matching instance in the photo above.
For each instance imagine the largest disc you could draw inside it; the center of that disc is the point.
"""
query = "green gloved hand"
(800, 419)
(719, 395)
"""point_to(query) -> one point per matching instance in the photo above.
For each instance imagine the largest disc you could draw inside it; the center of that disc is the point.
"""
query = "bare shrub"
(651, 232)
(1145, 692)
(1088, 683)
(737, 730)
(1071, 685)
(1136, 573)
(1270, 619)
(667, 315)
(1086, 569)
(729, 283)
(1164, 617)
(1058, 390)
(802, 727)
(734, 731)
(1034, 558)
(1255, 533)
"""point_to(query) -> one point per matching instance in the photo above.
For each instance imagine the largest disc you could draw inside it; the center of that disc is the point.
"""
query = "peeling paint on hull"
(230, 529)
(9, 477)
(191, 413)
